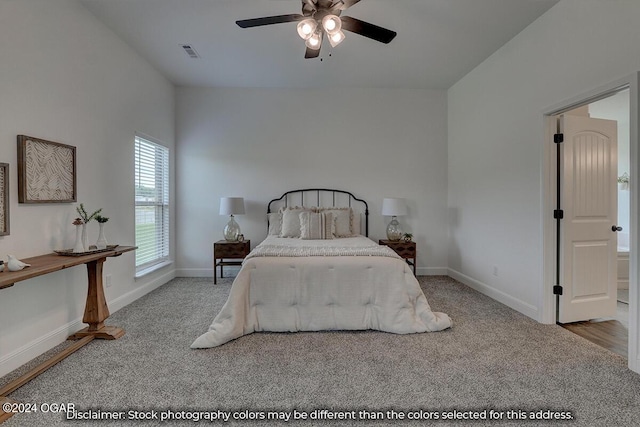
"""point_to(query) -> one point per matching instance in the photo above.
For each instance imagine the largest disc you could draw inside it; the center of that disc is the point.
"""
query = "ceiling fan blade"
(269, 20)
(367, 30)
(311, 53)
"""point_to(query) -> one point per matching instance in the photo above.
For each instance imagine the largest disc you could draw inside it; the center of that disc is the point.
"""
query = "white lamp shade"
(336, 39)
(331, 24)
(231, 206)
(306, 28)
(394, 207)
(315, 41)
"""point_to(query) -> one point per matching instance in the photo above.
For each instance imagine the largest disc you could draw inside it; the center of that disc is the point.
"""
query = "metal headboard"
(318, 191)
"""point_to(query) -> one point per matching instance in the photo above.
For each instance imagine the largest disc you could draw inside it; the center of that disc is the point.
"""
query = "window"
(152, 203)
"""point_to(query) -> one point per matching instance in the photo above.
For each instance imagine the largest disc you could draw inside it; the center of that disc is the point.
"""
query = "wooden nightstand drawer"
(223, 250)
(406, 250)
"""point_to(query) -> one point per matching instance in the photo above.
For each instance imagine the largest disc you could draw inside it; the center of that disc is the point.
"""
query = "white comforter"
(289, 285)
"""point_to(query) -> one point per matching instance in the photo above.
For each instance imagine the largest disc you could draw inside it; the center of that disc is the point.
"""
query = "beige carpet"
(492, 359)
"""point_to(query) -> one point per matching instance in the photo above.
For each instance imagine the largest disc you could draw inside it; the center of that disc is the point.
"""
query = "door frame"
(547, 298)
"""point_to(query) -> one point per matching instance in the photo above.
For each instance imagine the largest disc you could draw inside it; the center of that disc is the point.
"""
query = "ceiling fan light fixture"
(314, 41)
(336, 39)
(306, 28)
(331, 24)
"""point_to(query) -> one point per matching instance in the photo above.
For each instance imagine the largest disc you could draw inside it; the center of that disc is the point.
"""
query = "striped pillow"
(316, 225)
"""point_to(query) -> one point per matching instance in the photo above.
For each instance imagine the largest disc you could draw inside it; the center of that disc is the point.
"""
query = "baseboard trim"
(432, 271)
(506, 299)
(195, 272)
(46, 342)
(126, 299)
(206, 272)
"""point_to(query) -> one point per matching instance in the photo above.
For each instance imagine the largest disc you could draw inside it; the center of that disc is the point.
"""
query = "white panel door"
(590, 202)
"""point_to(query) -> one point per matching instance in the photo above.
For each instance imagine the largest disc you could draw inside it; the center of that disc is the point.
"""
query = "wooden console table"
(96, 310)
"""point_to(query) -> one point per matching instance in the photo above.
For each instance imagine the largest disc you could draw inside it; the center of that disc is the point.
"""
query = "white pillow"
(291, 221)
(275, 223)
(343, 219)
(316, 225)
(356, 223)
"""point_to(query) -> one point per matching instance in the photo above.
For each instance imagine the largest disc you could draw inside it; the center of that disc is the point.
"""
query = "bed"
(321, 274)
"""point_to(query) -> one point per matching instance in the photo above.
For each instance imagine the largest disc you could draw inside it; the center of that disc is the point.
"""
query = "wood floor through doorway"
(610, 333)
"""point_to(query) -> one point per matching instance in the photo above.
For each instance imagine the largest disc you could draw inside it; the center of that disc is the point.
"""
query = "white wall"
(65, 77)
(259, 143)
(496, 135)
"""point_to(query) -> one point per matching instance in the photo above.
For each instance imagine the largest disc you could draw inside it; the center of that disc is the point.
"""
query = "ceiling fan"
(320, 17)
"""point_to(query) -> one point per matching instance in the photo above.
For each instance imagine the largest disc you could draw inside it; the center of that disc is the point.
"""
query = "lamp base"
(231, 230)
(394, 231)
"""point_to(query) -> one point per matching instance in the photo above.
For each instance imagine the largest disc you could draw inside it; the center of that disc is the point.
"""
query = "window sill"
(140, 274)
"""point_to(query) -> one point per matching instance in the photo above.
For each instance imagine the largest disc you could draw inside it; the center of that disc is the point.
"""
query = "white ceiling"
(438, 42)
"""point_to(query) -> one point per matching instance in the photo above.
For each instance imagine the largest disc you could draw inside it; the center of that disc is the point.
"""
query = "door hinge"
(558, 138)
(557, 290)
(558, 214)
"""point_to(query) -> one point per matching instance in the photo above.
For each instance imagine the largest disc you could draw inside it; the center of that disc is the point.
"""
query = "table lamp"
(394, 207)
(231, 206)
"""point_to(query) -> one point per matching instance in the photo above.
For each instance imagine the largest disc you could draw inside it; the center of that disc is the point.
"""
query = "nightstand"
(406, 250)
(224, 250)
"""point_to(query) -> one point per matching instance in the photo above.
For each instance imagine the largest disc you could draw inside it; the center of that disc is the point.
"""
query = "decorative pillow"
(291, 221)
(343, 219)
(275, 223)
(316, 225)
(355, 223)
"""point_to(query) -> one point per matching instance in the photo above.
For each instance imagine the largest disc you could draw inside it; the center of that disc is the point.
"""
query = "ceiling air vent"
(190, 51)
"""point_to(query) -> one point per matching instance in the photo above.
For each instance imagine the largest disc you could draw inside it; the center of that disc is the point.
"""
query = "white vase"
(78, 246)
(85, 242)
(102, 241)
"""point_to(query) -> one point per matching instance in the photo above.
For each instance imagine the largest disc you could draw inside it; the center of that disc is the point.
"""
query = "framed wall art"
(46, 171)
(4, 199)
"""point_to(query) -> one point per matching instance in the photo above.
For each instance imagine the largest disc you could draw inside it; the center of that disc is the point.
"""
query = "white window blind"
(152, 203)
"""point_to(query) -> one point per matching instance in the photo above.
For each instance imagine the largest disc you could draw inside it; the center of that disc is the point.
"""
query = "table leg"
(96, 310)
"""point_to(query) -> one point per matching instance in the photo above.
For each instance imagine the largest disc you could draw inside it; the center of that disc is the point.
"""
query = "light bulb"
(336, 39)
(314, 41)
(306, 28)
(331, 24)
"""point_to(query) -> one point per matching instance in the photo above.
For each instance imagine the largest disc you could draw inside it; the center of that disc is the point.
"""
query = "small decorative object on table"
(71, 252)
(407, 237)
(14, 264)
(78, 246)
(1, 266)
(102, 241)
(85, 217)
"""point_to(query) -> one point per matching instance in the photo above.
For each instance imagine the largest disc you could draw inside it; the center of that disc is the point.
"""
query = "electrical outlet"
(495, 270)
(107, 280)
